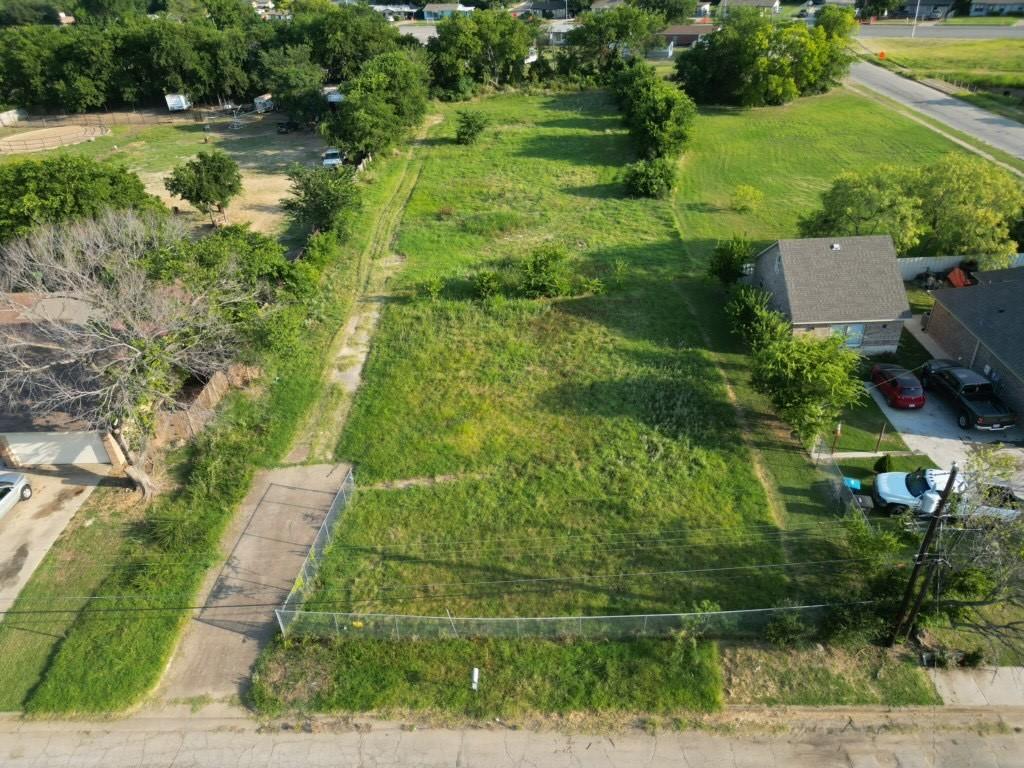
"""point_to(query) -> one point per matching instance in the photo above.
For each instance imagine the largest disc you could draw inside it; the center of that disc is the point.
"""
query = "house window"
(852, 333)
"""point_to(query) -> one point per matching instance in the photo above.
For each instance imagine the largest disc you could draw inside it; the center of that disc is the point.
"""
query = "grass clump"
(517, 677)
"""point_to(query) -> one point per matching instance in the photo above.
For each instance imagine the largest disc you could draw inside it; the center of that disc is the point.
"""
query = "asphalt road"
(999, 132)
(914, 738)
(935, 32)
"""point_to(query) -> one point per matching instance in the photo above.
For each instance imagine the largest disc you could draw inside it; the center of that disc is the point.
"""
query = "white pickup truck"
(898, 492)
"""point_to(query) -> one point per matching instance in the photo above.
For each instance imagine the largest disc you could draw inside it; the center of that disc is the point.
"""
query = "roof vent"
(835, 247)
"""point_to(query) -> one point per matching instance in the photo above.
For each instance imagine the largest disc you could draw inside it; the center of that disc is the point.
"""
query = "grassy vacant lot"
(983, 63)
(577, 440)
(823, 677)
(981, 21)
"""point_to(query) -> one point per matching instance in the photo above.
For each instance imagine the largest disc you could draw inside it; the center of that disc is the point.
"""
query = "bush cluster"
(545, 273)
(810, 381)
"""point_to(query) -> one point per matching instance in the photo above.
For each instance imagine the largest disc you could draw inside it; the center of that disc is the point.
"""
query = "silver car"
(14, 487)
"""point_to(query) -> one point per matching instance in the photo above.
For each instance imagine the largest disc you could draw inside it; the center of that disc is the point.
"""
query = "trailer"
(264, 103)
(177, 102)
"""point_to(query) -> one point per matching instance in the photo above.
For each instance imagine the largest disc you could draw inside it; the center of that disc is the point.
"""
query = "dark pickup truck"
(972, 395)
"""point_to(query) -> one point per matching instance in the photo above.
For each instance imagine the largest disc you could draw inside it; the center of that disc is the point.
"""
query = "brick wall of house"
(963, 346)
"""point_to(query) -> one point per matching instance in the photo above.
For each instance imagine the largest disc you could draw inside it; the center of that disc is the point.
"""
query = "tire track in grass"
(351, 346)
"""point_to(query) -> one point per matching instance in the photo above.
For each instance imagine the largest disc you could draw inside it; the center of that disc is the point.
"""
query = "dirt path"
(351, 347)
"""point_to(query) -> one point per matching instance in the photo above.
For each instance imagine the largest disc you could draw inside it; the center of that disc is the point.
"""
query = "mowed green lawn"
(590, 461)
(984, 63)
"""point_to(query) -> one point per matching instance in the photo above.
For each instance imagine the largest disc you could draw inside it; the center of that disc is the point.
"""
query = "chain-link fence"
(716, 624)
(842, 494)
(311, 565)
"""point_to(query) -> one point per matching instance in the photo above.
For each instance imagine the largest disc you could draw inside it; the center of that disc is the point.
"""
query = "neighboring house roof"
(442, 6)
(754, 3)
(682, 30)
(838, 279)
(995, 2)
(548, 5)
(993, 311)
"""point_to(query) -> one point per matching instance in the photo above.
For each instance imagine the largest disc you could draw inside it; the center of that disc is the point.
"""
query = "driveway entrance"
(277, 523)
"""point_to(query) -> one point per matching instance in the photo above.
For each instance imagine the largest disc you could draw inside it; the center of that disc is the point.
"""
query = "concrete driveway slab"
(933, 431)
(988, 686)
(266, 546)
(29, 530)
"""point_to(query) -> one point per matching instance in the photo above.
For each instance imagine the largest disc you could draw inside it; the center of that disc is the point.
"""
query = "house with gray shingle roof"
(982, 327)
(837, 286)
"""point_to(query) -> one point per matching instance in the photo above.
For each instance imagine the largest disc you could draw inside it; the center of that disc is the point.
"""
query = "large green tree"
(755, 61)
(295, 81)
(63, 188)
(208, 181)
(959, 205)
(878, 201)
(970, 208)
(600, 39)
(323, 198)
(488, 46)
(658, 114)
(381, 104)
(671, 10)
(342, 38)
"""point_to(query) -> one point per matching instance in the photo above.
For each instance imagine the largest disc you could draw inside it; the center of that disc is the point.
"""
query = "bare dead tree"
(983, 549)
(93, 336)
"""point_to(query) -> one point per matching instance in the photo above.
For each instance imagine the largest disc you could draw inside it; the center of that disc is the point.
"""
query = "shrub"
(469, 126)
(487, 283)
(753, 320)
(545, 272)
(431, 287)
(728, 258)
(786, 629)
(746, 198)
(650, 178)
(884, 464)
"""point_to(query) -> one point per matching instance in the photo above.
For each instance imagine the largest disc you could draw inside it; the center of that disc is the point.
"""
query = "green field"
(586, 448)
(981, 21)
(980, 63)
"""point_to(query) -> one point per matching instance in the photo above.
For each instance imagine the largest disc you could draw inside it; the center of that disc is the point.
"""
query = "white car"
(14, 487)
(902, 491)
(332, 157)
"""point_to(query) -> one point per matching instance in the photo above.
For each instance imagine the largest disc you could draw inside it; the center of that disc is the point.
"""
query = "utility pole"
(929, 576)
(922, 555)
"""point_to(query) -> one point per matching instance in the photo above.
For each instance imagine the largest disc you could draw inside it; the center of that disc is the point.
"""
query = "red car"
(899, 386)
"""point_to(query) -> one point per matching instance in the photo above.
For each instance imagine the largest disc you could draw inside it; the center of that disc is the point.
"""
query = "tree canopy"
(63, 188)
(754, 61)
(295, 81)
(381, 104)
(600, 39)
(208, 181)
(323, 198)
(959, 205)
(488, 46)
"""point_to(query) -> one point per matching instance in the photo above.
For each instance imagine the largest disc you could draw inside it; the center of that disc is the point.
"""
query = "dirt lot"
(264, 157)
